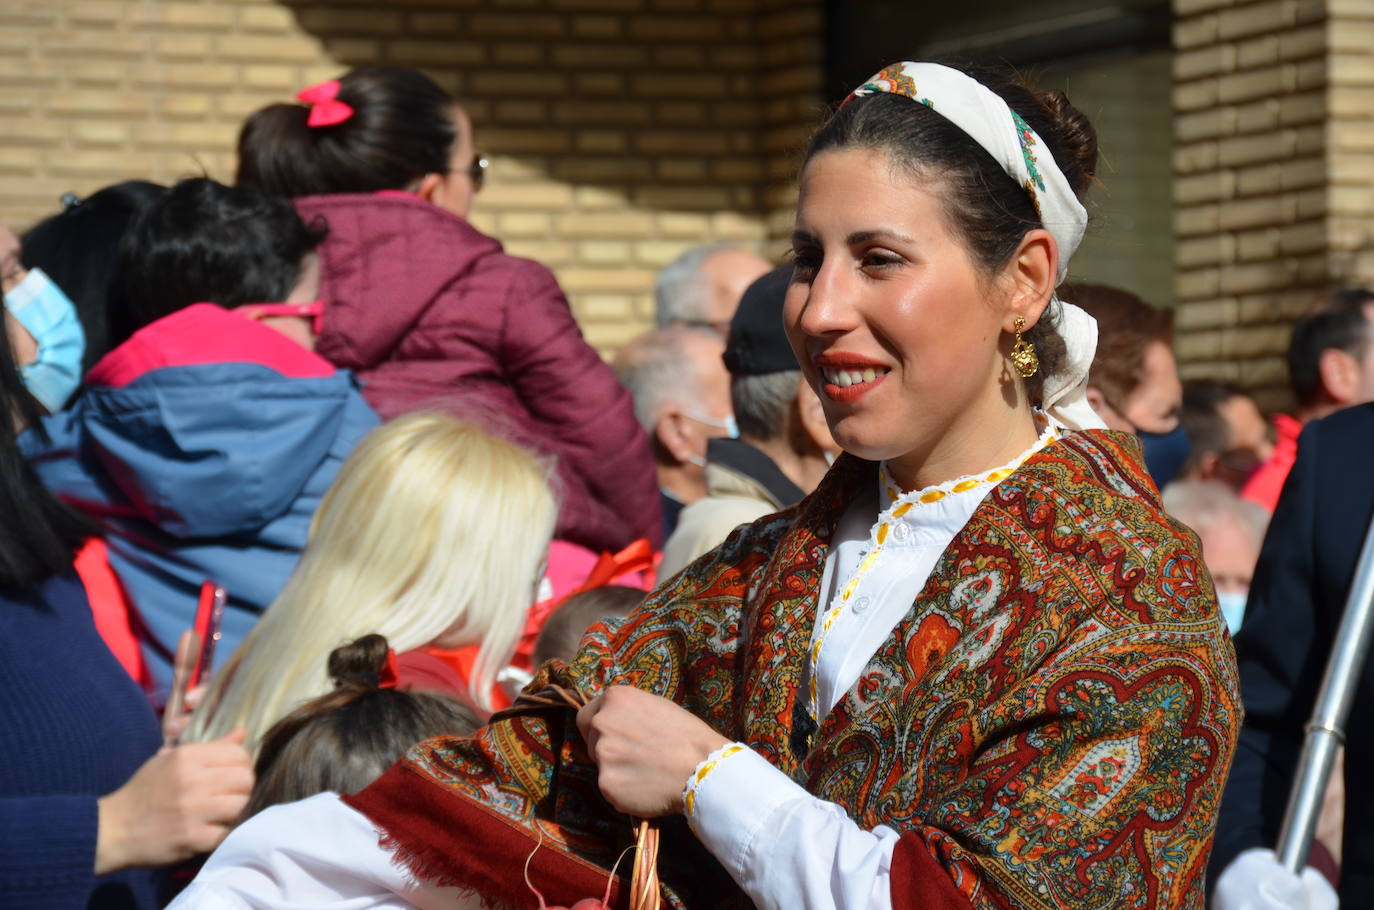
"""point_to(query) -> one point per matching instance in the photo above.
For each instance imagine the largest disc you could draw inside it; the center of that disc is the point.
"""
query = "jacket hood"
(215, 444)
(387, 258)
(214, 450)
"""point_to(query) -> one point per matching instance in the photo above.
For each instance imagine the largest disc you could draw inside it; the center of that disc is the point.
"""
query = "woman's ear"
(429, 185)
(1031, 275)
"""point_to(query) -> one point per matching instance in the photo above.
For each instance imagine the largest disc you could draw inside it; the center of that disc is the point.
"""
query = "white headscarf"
(986, 118)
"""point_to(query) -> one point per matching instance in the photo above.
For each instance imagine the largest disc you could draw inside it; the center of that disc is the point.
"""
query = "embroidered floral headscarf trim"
(986, 118)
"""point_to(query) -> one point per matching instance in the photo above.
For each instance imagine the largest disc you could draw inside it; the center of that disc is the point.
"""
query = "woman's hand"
(181, 802)
(646, 747)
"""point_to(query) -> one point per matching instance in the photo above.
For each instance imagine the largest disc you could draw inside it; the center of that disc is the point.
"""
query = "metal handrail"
(1326, 730)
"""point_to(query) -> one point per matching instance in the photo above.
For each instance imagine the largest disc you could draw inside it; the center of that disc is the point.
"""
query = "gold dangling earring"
(1023, 357)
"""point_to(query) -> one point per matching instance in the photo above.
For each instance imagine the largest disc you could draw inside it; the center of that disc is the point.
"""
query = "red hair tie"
(390, 674)
(325, 107)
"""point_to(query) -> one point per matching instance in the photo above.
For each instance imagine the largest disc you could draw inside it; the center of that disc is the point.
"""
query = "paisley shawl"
(1049, 726)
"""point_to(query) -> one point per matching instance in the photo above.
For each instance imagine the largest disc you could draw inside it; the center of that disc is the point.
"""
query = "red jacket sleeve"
(610, 488)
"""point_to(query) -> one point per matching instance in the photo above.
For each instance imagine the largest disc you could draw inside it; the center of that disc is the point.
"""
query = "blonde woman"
(434, 534)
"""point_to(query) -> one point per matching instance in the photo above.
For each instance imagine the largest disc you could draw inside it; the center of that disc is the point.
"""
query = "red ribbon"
(325, 107)
(390, 674)
(637, 557)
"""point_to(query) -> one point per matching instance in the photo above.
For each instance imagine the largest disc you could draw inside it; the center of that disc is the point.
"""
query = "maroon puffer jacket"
(430, 312)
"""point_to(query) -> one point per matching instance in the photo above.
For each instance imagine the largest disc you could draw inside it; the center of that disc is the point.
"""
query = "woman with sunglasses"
(429, 311)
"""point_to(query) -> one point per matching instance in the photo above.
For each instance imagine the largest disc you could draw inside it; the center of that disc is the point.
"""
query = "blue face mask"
(1232, 607)
(46, 314)
(1165, 453)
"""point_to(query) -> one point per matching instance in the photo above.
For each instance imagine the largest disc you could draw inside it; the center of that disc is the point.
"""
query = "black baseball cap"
(757, 342)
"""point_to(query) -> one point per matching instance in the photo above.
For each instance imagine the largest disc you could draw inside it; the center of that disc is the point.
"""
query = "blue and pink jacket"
(202, 446)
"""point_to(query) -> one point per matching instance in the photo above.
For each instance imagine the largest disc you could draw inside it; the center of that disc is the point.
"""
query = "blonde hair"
(432, 528)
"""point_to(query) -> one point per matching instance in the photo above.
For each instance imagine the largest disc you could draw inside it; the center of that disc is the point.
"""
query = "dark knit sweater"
(73, 727)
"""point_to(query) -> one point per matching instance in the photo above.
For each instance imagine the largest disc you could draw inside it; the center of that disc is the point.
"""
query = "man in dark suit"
(1296, 600)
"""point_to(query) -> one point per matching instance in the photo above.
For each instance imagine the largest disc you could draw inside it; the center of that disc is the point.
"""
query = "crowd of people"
(900, 574)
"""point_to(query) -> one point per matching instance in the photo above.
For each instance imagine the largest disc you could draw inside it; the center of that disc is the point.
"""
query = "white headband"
(987, 120)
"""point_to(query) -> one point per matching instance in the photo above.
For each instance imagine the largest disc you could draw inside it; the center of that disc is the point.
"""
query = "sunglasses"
(477, 171)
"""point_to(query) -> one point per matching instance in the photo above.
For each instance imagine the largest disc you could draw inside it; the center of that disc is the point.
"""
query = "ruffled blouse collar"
(909, 505)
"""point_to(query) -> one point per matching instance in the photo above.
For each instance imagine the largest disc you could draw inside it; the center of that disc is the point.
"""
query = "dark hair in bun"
(345, 739)
(402, 128)
(359, 665)
(988, 209)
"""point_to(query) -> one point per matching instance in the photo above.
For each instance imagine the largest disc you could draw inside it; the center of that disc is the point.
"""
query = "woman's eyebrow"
(878, 234)
(857, 237)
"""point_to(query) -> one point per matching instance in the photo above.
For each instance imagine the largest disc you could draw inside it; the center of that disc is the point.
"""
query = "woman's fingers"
(645, 748)
(180, 802)
(174, 719)
(585, 715)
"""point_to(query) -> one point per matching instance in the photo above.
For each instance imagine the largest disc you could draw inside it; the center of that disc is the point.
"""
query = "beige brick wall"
(1274, 168)
(621, 132)
(793, 74)
(1129, 242)
(1350, 137)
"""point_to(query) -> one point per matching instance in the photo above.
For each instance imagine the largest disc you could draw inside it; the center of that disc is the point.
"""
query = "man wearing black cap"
(784, 446)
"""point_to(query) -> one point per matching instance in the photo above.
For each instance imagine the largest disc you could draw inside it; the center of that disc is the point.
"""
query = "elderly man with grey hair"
(784, 446)
(682, 399)
(702, 287)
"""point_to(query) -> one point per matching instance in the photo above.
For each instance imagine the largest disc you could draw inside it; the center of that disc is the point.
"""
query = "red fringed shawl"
(1050, 726)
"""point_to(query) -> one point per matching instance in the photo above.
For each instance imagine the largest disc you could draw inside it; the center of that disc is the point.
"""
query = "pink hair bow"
(325, 107)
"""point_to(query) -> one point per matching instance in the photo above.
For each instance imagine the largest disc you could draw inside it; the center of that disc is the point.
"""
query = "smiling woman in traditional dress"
(977, 667)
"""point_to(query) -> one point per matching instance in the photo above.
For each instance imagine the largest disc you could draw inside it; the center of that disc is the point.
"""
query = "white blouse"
(783, 846)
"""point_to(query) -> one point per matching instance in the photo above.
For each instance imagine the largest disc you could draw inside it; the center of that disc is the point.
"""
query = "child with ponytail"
(429, 311)
(343, 740)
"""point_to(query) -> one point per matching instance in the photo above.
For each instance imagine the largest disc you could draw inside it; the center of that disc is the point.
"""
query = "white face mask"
(726, 423)
(1232, 607)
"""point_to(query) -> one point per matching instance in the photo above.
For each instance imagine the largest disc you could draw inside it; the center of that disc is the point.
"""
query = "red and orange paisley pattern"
(1051, 724)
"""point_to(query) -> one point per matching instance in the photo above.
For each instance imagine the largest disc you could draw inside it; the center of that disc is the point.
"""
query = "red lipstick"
(841, 360)
(856, 363)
